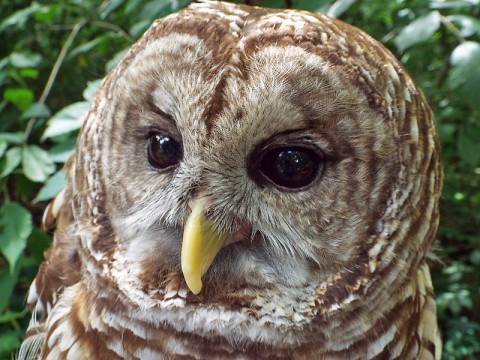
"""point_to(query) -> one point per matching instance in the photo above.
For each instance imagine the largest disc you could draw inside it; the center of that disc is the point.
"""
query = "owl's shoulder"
(428, 330)
(60, 269)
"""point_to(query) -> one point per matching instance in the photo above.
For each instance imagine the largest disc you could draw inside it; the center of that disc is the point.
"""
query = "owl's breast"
(89, 322)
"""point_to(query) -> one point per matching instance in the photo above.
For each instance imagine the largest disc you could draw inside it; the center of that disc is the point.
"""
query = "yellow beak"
(201, 243)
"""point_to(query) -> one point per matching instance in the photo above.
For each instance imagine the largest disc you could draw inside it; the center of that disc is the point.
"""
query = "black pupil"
(291, 167)
(163, 151)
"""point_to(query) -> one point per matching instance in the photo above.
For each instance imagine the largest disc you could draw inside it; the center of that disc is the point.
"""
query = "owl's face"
(268, 151)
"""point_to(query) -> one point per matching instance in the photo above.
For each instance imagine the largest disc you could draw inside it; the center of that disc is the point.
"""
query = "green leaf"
(132, 6)
(52, 187)
(37, 110)
(61, 152)
(91, 89)
(464, 53)
(22, 98)
(9, 316)
(3, 146)
(36, 163)
(115, 60)
(95, 43)
(139, 28)
(469, 146)
(475, 257)
(38, 242)
(446, 132)
(9, 341)
(153, 9)
(465, 73)
(10, 161)
(418, 31)
(25, 59)
(445, 4)
(339, 7)
(84, 5)
(47, 14)
(29, 73)
(67, 120)
(19, 17)
(15, 228)
(3, 63)
(111, 6)
(12, 138)
(3, 78)
(24, 186)
(468, 24)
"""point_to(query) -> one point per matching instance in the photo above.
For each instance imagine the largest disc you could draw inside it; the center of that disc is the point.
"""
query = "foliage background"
(52, 54)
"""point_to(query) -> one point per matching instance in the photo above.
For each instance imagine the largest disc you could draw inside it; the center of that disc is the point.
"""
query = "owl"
(249, 183)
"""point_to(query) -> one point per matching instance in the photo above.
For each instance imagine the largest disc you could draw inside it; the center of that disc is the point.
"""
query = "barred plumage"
(320, 255)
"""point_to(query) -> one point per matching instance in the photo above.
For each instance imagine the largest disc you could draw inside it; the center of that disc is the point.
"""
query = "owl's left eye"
(163, 151)
(290, 168)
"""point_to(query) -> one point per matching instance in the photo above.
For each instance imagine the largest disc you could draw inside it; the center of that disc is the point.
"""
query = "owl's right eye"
(163, 151)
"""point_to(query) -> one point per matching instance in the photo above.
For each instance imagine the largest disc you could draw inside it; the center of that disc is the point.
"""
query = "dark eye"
(163, 151)
(292, 168)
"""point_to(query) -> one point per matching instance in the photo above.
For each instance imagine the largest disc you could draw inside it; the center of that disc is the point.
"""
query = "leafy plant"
(53, 55)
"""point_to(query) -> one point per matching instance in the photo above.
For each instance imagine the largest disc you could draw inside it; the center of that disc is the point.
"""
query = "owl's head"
(237, 149)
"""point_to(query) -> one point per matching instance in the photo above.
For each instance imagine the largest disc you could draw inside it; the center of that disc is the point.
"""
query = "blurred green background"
(53, 53)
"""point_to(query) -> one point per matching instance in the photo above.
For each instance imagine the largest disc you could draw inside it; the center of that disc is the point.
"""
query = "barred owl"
(249, 183)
